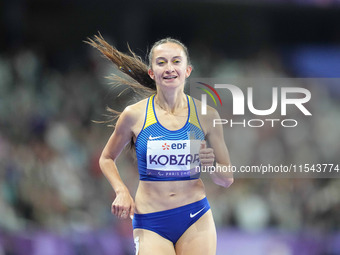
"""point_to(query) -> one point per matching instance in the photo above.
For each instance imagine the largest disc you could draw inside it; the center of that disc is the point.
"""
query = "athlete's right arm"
(119, 139)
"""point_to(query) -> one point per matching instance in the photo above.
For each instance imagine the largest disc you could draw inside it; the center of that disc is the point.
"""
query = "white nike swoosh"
(192, 215)
(152, 138)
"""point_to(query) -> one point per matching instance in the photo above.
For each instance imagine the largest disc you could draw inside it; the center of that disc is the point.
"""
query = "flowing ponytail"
(131, 65)
(136, 71)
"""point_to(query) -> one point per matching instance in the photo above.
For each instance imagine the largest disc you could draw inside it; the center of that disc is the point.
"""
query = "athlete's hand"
(206, 155)
(123, 206)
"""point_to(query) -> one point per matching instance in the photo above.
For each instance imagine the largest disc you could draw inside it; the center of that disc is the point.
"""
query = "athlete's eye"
(176, 61)
(161, 62)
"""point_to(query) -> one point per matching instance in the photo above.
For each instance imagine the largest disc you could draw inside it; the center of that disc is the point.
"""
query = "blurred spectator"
(54, 197)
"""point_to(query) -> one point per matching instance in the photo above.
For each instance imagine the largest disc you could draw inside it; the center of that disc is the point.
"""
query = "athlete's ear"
(151, 74)
(188, 71)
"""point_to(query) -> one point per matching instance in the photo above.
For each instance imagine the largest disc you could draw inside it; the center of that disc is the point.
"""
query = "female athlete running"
(171, 214)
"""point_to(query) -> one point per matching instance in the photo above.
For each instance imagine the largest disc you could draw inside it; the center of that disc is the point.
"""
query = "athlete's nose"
(169, 68)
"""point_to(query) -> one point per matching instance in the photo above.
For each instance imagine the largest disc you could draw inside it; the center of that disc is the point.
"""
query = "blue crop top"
(169, 155)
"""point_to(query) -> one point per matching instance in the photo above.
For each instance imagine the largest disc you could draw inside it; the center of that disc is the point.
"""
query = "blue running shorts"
(171, 224)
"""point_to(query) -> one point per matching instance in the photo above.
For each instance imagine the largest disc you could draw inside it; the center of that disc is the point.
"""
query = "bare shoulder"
(132, 113)
(133, 116)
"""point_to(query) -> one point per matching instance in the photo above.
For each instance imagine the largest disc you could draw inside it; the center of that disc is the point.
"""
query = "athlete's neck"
(171, 102)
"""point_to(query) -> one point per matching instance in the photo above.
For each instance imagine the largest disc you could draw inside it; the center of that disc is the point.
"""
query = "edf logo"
(178, 146)
(174, 146)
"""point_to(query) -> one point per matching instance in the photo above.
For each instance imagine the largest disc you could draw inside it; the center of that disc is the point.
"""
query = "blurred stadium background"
(53, 197)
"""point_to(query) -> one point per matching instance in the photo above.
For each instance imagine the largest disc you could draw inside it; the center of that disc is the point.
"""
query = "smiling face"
(169, 66)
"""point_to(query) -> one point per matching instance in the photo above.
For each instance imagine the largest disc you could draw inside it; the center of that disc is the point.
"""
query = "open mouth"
(171, 77)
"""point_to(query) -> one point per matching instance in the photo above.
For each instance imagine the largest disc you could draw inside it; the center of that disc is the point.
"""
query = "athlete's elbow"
(224, 182)
(228, 182)
(104, 160)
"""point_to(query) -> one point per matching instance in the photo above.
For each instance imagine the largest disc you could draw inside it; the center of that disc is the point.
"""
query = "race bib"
(173, 156)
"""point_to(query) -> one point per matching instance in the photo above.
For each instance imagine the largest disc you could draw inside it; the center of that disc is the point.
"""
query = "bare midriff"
(154, 196)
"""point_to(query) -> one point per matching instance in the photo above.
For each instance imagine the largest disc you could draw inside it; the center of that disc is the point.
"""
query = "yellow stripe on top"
(193, 115)
(150, 115)
(151, 118)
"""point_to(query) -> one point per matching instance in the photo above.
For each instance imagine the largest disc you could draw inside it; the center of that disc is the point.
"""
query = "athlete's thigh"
(148, 242)
(199, 238)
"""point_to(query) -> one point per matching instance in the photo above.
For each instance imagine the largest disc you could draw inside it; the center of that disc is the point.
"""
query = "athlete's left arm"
(216, 152)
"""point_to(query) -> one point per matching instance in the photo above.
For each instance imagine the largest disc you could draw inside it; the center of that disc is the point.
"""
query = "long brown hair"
(136, 71)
